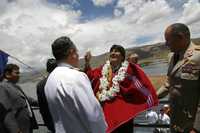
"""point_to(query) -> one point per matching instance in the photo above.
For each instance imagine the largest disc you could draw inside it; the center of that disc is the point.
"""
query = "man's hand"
(162, 92)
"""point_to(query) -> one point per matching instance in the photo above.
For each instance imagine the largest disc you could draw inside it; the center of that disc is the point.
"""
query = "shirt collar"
(65, 65)
(5, 80)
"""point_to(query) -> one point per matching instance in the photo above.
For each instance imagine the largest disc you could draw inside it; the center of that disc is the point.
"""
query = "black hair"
(9, 68)
(120, 49)
(178, 28)
(51, 65)
(61, 46)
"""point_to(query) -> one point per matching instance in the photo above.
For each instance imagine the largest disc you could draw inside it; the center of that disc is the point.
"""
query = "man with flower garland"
(122, 88)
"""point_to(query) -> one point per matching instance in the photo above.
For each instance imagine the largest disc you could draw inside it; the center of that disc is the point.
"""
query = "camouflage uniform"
(183, 85)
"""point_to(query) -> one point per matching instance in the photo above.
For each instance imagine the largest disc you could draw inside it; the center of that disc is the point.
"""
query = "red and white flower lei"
(106, 93)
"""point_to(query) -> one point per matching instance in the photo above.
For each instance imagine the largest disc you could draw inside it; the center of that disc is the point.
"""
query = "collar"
(181, 54)
(116, 68)
(5, 80)
(184, 53)
(66, 65)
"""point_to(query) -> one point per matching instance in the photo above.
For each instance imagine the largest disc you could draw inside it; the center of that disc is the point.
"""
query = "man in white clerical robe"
(71, 101)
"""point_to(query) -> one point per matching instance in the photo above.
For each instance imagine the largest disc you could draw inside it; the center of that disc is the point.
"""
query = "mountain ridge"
(147, 54)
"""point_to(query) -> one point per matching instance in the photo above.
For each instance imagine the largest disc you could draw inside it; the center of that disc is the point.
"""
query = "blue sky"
(88, 9)
(28, 27)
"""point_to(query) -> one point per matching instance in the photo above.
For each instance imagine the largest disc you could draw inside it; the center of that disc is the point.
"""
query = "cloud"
(130, 6)
(118, 12)
(149, 12)
(142, 11)
(3, 4)
(191, 12)
(102, 3)
(28, 27)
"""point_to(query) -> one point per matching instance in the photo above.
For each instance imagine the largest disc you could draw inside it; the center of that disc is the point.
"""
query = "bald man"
(183, 84)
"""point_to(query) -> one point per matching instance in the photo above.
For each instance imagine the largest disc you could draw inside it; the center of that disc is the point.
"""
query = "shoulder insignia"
(189, 53)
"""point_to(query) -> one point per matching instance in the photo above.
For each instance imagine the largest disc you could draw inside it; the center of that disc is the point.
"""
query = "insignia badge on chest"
(190, 71)
(187, 68)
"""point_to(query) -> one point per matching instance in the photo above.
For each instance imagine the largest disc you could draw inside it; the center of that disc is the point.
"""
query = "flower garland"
(106, 93)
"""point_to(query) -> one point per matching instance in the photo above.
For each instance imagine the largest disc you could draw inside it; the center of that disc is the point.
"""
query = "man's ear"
(70, 53)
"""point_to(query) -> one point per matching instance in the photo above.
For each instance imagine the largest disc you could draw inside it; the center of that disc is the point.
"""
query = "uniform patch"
(190, 66)
(189, 76)
(189, 53)
(190, 71)
(187, 68)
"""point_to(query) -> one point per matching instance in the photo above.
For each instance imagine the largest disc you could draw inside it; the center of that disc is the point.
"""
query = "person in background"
(44, 109)
(122, 88)
(151, 116)
(19, 117)
(163, 118)
(166, 109)
(133, 58)
(183, 81)
(71, 101)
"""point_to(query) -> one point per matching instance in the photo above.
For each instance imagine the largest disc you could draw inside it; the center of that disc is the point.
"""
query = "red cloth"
(130, 101)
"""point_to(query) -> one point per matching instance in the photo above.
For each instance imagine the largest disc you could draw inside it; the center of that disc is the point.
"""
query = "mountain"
(147, 55)
(144, 53)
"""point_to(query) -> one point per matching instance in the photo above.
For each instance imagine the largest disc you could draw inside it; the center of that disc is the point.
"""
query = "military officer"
(183, 83)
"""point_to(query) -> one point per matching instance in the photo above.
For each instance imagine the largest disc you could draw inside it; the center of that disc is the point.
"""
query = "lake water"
(157, 68)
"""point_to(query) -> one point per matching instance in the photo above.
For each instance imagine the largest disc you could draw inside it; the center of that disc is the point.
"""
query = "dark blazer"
(18, 116)
(44, 109)
(3, 113)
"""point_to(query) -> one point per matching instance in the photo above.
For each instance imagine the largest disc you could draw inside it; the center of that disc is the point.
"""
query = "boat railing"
(135, 124)
(146, 125)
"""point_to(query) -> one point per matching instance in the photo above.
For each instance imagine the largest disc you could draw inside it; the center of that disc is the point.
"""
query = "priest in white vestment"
(71, 101)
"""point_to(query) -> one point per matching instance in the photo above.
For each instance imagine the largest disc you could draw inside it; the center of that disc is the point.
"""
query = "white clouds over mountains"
(28, 27)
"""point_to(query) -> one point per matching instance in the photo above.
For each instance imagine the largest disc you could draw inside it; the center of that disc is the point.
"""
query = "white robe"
(72, 104)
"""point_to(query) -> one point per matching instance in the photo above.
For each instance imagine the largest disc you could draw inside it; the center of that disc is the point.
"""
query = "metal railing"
(151, 125)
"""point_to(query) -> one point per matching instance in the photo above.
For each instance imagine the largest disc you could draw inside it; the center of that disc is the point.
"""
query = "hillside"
(147, 54)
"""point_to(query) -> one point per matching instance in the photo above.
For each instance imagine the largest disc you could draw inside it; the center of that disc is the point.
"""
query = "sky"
(28, 27)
